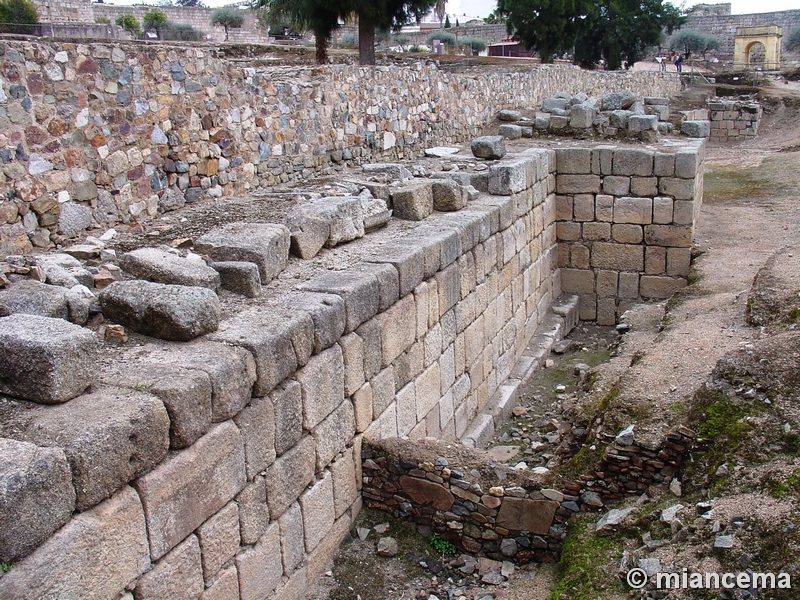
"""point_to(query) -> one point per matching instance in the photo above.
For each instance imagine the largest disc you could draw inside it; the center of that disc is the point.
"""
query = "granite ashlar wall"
(102, 132)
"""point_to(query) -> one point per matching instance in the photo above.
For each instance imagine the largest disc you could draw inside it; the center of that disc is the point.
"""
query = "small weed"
(610, 395)
(443, 547)
(794, 316)
(6, 567)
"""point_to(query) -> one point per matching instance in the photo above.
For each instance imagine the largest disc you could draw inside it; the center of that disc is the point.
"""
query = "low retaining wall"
(733, 121)
(100, 134)
(626, 220)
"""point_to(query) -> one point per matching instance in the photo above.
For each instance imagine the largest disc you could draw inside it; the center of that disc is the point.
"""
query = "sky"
(481, 8)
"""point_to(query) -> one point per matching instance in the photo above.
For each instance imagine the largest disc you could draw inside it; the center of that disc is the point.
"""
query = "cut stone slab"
(34, 298)
(168, 312)
(45, 360)
(618, 100)
(309, 231)
(266, 245)
(613, 518)
(490, 147)
(424, 492)
(503, 453)
(345, 217)
(441, 151)
(509, 115)
(581, 116)
(36, 496)
(388, 171)
(696, 129)
(510, 131)
(239, 277)
(639, 123)
(109, 437)
(360, 292)
(160, 266)
(73, 564)
(447, 195)
(535, 516)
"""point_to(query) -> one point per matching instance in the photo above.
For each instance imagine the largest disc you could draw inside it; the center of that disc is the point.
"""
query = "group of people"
(673, 58)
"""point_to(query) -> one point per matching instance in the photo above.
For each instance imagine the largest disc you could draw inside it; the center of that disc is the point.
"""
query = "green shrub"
(443, 547)
(103, 21)
(348, 40)
(154, 19)
(476, 45)
(18, 16)
(228, 17)
(130, 23)
(180, 32)
(447, 38)
(688, 41)
(401, 40)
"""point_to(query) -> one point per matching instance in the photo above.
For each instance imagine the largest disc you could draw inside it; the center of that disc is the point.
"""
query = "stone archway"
(748, 39)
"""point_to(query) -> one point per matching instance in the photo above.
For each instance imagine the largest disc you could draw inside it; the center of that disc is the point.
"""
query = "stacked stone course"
(625, 224)
(733, 121)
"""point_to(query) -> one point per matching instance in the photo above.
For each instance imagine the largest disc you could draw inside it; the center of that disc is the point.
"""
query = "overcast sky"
(481, 8)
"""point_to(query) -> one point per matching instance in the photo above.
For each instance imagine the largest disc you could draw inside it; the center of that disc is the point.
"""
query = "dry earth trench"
(741, 482)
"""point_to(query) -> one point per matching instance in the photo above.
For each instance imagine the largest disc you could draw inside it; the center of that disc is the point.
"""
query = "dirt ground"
(751, 210)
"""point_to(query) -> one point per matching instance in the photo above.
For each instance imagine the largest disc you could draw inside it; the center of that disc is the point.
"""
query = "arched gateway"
(750, 38)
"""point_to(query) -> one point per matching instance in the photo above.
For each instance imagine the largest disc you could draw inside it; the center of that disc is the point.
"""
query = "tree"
(130, 23)
(547, 26)
(18, 16)
(318, 16)
(154, 19)
(688, 41)
(793, 43)
(189, 3)
(447, 22)
(227, 17)
(440, 10)
(495, 18)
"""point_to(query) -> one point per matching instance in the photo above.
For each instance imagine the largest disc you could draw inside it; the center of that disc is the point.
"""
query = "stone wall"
(724, 27)
(109, 129)
(626, 223)
(733, 121)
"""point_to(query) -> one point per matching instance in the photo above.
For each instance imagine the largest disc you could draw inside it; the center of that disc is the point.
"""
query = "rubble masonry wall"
(95, 134)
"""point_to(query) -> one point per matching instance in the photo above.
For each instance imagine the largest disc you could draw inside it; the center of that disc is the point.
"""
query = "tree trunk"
(322, 49)
(366, 43)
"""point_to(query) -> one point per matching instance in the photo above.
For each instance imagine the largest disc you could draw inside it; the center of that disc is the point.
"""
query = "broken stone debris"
(168, 266)
(491, 147)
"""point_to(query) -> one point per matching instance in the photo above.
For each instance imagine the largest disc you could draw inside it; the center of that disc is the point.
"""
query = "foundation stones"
(45, 360)
(161, 266)
(509, 115)
(168, 312)
(618, 100)
(33, 298)
(490, 147)
(266, 245)
(239, 277)
(510, 132)
(36, 496)
(413, 201)
(309, 231)
(696, 129)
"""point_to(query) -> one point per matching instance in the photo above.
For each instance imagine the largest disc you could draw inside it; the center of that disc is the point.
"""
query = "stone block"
(225, 586)
(583, 207)
(490, 147)
(194, 483)
(317, 505)
(606, 311)
(581, 116)
(424, 492)
(36, 496)
(178, 575)
(509, 115)
(160, 266)
(578, 184)
(333, 433)
(644, 186)
(370, 333)
(511, 176)
(289, 475)
(359, 291)
(655, 260)
(413, 201)
(231, 371)
(662, 210)
(680, 189)
(168, 312)
(109, 437)
(73, 218)
(45, 360)
(616, 185)
(219, 540)
(542, 120)
(362, 407)
(564, 208)
(383, 386)
(618, 100)
(406, 409)
(256, 423)
(567, 231)
(679, 262)
(388, 282)
(550, 104)
(659, 287)
(632, 161)
(396, 335)
(353, 357)
(447, 195)
(345, 488)
(696, 129)
(639, 123)
(604, 207)
(629, 285)
(683, 212)
(328, 314)
(633, 210)
(617, 257)
(596, 232)
(427, 390)
(72, 564)
(266, 245)
(679, 236)
(269, 335)
(260, 567)
(309, 230)
(627, 234)
(664, 165)
(292, 537)
(606, 283)
(253, 511)
(577, 281)
(448, 285)
(407, 259)
(510, 131)
(239, 277)
(322, 385)
(535, 516)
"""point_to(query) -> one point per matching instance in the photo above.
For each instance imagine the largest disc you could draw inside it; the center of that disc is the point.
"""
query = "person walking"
(679, 63)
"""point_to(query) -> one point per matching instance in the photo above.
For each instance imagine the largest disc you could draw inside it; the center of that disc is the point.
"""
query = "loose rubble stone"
(510, 132)
(45, 360)
(613, 518)
(413, 201)
(490, 147)
(581, 116)
(618, 100)
(447, 196)
(266, 245)
(509, 115)
(34, 298)
(168, 312)
(309, 231)
(387, 546)
(73, 218)
(36, 496)
(239, 277)
(696, 129)
(160, 266)
(535, 516)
